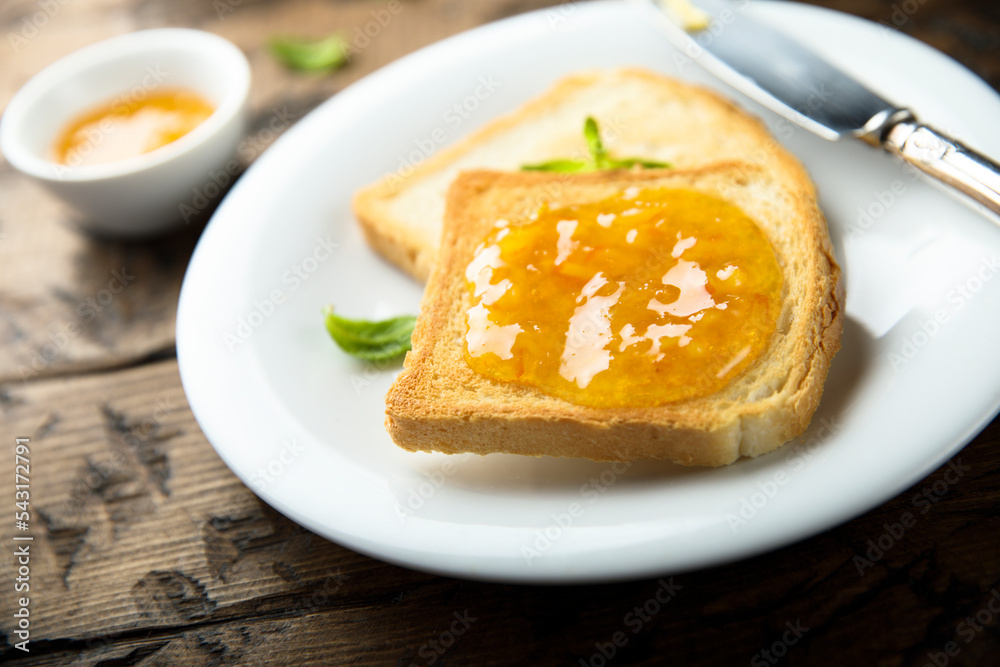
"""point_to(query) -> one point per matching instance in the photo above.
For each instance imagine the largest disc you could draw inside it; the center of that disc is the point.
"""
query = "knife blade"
(787, 77)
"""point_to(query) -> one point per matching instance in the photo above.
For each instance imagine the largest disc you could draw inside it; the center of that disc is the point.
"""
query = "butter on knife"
(692, 18)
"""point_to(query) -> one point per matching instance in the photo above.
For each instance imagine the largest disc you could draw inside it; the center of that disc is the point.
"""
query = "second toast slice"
(640, 113)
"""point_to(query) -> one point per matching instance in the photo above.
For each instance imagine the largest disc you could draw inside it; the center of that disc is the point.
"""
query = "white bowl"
(148, 193)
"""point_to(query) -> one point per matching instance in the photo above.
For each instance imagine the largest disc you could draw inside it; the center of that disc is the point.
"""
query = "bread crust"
(438, 403)
(641, 113)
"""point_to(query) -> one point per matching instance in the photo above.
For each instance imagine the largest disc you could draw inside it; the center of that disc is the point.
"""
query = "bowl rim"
(215, 51)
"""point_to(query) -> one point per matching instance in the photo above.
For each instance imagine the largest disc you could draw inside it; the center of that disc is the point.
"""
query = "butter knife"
(772, 68)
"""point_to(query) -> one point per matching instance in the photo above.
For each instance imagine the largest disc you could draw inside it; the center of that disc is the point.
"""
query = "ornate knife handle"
(946, 160)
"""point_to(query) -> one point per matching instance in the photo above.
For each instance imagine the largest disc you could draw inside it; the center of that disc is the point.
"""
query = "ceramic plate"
(302, 424)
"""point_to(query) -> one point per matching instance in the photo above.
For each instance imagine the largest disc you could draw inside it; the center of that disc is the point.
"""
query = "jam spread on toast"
(648, 297)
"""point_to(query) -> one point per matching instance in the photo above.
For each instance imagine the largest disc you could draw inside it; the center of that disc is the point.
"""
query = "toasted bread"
(640, 114)
(438, 403)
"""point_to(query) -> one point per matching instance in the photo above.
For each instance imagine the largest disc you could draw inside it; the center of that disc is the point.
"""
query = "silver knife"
(785, 76)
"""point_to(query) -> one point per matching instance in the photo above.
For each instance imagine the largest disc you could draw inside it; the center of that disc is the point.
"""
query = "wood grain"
(149, 551)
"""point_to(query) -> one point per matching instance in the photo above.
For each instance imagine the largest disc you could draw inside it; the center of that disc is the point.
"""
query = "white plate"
(301, 423)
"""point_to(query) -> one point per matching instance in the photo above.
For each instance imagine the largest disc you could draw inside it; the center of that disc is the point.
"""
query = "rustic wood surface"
(148, 551)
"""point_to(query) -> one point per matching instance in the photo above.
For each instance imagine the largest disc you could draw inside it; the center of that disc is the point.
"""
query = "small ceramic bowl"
(149, 193)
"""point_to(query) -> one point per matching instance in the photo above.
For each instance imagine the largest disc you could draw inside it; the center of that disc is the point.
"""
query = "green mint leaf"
(630, 162)
(371, 341)
(594, 143)
(311, 56)
(561, 166)
(599, 158)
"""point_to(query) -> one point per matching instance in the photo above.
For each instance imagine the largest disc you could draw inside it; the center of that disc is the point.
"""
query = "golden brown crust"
(640, 113)
(438, 403)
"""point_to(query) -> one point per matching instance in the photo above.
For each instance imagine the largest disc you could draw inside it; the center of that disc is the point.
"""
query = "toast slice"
(438, 403)
(640, 113)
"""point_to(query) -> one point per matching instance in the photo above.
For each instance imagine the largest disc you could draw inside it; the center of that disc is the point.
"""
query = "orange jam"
(645, 298)
(130, 126)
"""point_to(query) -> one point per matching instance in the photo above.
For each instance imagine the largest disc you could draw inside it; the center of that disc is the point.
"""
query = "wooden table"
(148, 550)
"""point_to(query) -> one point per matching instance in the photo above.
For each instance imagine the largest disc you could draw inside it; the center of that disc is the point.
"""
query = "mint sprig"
(310, 55)
(599, 158)
(371, 341)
